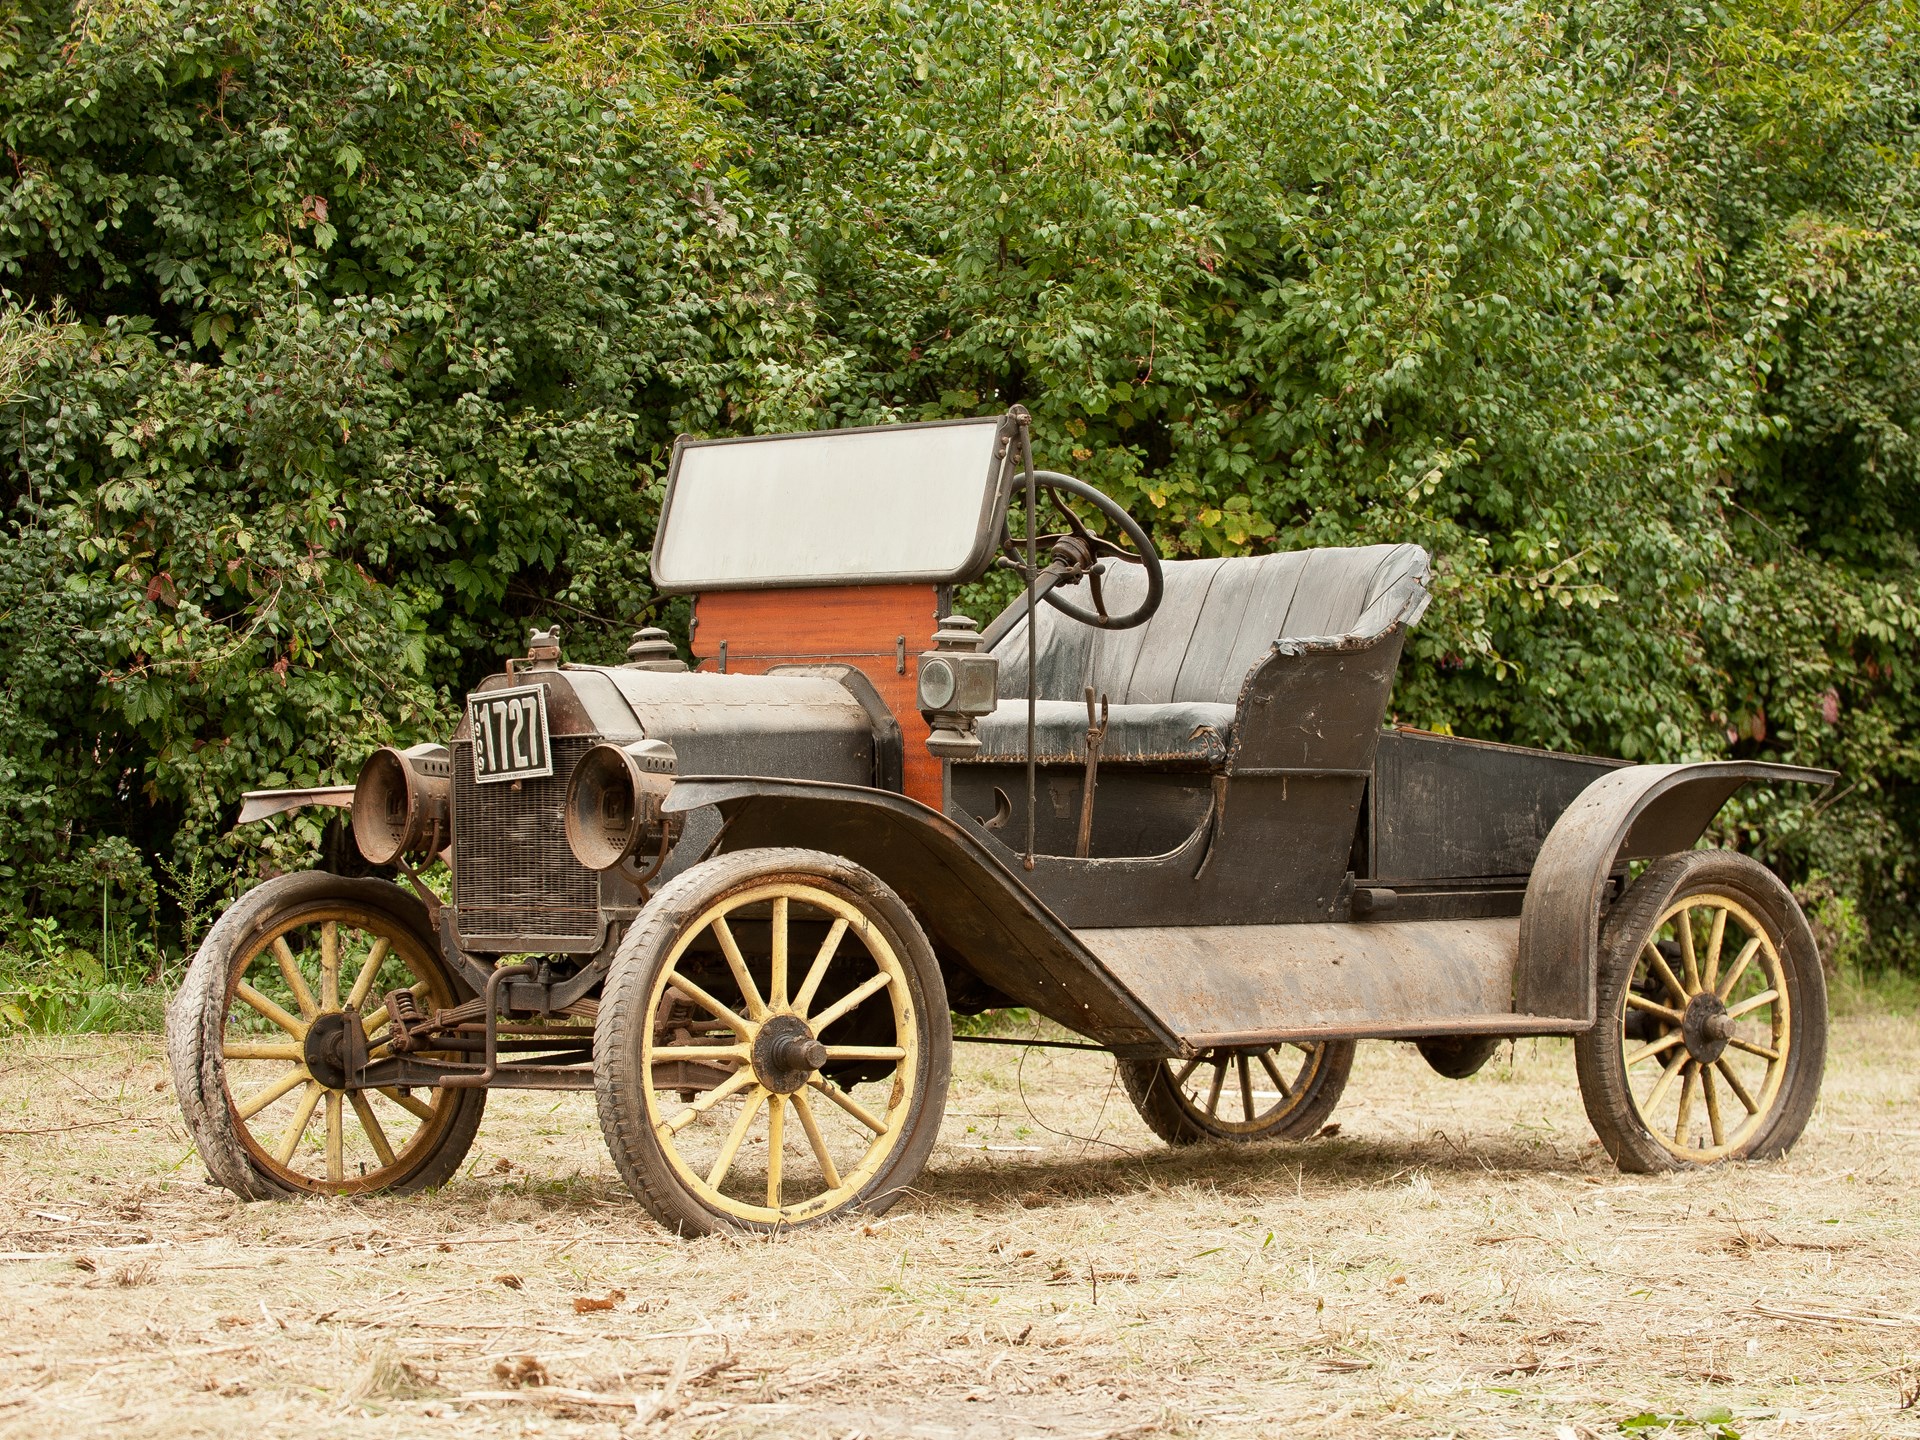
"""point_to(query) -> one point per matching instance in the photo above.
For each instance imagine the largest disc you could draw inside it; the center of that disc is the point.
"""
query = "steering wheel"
(1076, 553)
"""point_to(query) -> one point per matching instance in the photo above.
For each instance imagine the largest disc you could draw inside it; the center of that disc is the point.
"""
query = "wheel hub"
(335, 1047)
(1706, 1027)
(786, 1054)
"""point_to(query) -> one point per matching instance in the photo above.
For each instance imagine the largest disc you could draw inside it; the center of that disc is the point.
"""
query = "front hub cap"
(785, 1054)
(325, 1048)
(1706, 1027)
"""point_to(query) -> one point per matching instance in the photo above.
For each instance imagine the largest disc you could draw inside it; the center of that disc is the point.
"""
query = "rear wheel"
(1262, 1092)
(248, 1039)
(773, 1046)
(1710, 1036)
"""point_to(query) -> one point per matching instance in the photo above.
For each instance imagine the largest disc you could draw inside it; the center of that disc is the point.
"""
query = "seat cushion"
(1194, 730)
(1218, 620)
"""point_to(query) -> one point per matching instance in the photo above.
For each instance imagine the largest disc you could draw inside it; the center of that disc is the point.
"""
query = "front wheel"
(773, 1045)
(247, 1038)
(1262, 1092)
(1711, 1024)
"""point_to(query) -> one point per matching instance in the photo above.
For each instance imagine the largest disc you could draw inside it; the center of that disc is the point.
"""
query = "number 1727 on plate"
(510, 740)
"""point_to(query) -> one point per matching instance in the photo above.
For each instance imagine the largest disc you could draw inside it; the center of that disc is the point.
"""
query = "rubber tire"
(1458, 1056)
(623, 1020)
(196, 1021)
(1151, 1091)
(1598, 1054)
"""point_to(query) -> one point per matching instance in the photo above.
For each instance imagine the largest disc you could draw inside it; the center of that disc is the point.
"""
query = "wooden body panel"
(878, 629)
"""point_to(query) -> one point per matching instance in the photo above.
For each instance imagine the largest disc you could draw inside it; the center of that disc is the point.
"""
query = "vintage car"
(1153, 802)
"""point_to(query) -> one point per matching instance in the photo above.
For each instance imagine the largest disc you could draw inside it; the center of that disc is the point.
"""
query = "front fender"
(972, 906)
(1631, 814)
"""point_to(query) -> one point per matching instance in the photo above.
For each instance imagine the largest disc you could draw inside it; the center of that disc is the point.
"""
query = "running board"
(1259, 984)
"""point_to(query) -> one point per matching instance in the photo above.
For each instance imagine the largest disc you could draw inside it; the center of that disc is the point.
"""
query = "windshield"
(835, 507)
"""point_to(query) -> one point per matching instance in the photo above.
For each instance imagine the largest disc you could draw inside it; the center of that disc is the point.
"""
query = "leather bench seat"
(1186, 730)
(1174, 683)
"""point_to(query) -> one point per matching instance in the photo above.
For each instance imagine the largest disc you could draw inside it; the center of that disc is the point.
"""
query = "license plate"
(510, 740)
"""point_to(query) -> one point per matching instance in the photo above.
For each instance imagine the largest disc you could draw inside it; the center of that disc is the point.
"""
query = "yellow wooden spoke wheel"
(773, 1046)
(1709, 1041)
(255, 1040)
(1265, 1092)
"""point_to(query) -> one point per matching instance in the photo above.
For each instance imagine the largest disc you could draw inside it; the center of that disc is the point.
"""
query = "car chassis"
(1153, 801)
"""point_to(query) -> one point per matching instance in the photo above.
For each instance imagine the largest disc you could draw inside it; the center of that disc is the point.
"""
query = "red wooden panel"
(858, 625)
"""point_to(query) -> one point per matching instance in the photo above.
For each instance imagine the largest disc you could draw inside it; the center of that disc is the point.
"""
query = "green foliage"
(52, 986)
(340, 343)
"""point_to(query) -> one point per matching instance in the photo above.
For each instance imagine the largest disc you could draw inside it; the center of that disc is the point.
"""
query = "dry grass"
(1458, 1260)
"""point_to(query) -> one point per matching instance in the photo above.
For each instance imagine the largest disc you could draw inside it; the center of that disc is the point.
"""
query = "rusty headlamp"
(400, 803)
(613, 801)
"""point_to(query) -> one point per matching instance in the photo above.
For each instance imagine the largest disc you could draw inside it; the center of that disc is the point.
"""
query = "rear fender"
(971, 905)
(1631, 814)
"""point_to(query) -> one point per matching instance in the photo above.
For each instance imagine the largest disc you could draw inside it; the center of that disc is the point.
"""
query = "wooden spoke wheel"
(254, 1040)
(1711, 1030)
(773, 1045)
(1273, 1092)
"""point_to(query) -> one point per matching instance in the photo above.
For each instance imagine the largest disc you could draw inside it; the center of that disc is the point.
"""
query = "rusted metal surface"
(1444, 808)
(1246, 984)
(1633, 813)
(259, 804)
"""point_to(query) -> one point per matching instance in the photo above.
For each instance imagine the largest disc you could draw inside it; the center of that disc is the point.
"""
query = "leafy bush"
(341, 342)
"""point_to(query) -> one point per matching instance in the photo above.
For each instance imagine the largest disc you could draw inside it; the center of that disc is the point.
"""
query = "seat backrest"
(1217, 621)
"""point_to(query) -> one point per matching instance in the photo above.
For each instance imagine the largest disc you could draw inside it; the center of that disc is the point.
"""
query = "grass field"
(1458, 1260)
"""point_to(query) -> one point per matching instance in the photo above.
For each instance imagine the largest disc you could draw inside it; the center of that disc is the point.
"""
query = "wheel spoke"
(296, 982)
(1655, 1095)
(1762, 1051)
(823, 957)
(1218, 1084)
(1186, 1071)
(302, 1114)
(1740, 964)
(260, 1099)
(270, 1011)
(1273, 1074)
(1733, 1084)
(1752, 1002)
(330, 965)
(804, 1109)
(706, 1002)
(363, 982)
(735, 1138)
(370, 1123)
(1246, 1087)
(1689, 962)
(667, 1054)
(737, 963)
(1665, 972)
(865, 1052)
(261, 1050)
(776, 1132)
(1652, 1048)
(1640, 1002)
(735, 1083)
(847, 1103)
(1715, 939)
(336, 1147)
(1712, 1094)
(849, 1001)
(777, 968)
(409, 1103)
(1680, 1130)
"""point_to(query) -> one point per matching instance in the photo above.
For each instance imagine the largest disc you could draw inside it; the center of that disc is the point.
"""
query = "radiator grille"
(513, 875)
